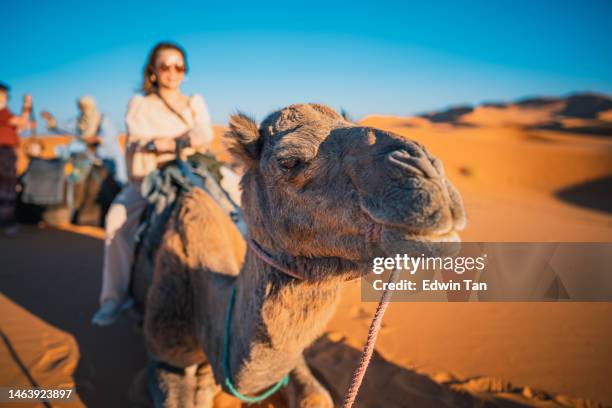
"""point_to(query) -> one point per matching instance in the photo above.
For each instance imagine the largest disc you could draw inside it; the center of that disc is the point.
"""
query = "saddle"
(75, 190)
(162, 188)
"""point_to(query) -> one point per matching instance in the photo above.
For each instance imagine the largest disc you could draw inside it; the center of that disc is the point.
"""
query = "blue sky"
(366, 57)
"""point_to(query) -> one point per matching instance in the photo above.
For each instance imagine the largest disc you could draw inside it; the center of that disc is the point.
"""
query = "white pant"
(121, 224)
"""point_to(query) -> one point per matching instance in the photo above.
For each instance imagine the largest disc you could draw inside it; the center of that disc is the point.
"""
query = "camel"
(321, 196)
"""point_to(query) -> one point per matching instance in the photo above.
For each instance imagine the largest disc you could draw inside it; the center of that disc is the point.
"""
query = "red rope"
(270, 261)
(368, 349)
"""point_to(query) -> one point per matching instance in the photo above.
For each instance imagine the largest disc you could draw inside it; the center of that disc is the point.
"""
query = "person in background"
(10, 125)
(95, 132)
(153, 120)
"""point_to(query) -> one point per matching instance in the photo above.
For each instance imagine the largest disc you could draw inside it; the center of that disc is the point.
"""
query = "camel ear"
(243, 139)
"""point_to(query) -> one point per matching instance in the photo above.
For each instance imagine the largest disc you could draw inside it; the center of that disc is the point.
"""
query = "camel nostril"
(402, 159)
(415, 164)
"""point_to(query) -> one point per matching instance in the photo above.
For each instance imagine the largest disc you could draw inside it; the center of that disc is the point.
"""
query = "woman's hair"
(149, 86)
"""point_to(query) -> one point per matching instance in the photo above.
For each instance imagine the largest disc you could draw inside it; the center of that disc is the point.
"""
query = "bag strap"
(174, 111)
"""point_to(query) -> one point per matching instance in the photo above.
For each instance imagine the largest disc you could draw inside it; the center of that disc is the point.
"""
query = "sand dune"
(510, 115)
(581, 113)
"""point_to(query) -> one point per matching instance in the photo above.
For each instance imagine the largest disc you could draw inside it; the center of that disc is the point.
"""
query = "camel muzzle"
(402, 187)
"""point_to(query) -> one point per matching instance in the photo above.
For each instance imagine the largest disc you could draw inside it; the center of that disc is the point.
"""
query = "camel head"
(318, 186)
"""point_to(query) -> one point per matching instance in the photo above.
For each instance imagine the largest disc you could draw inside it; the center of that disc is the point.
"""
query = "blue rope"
(226, 345)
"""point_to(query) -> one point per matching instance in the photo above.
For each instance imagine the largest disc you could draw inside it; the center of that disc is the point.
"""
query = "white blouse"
(149, 118)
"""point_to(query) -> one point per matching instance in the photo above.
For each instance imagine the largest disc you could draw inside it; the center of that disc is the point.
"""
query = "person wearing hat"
(94, 131)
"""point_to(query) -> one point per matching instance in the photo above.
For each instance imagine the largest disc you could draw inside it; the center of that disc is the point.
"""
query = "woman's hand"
(93, 140)
(27, 103)
(195, 139)
(165, 145)
(22, 121)
(49, 119)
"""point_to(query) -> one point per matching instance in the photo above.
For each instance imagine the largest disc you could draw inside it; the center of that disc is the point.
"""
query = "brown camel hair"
(314, 186)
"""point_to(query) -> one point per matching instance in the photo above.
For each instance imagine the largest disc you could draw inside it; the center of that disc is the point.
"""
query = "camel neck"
(308, 268)
(275, 317)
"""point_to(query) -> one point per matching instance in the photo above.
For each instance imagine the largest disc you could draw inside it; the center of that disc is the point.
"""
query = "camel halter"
(366, 354)
(270, 261)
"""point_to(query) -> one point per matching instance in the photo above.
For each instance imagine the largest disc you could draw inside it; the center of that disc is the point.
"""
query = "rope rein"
(226, 356)
(366, 354)
(368, 349)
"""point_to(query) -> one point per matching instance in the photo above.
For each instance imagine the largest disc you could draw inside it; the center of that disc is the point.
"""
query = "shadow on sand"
(389, 385)
(594, 194)
(55, 275)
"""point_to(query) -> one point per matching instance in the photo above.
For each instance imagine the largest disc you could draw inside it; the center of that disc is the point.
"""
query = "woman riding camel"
(153, 120)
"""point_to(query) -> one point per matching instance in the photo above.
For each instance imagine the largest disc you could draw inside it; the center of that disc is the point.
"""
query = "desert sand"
(522, 180)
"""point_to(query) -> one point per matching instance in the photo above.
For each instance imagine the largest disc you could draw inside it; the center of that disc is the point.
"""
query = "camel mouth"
(401, 237)
(450, 236)
(445, 231)
(392, 232)
(395, 241)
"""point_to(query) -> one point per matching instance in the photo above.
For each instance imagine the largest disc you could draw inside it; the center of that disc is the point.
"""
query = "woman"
(10, 125)
(154, 120)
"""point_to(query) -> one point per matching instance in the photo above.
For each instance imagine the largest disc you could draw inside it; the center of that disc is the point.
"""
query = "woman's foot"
(110, 311)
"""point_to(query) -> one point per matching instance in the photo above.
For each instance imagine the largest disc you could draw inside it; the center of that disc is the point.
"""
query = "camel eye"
(288, 163)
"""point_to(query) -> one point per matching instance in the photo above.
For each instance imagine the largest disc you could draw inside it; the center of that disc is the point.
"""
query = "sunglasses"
(166, 68)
